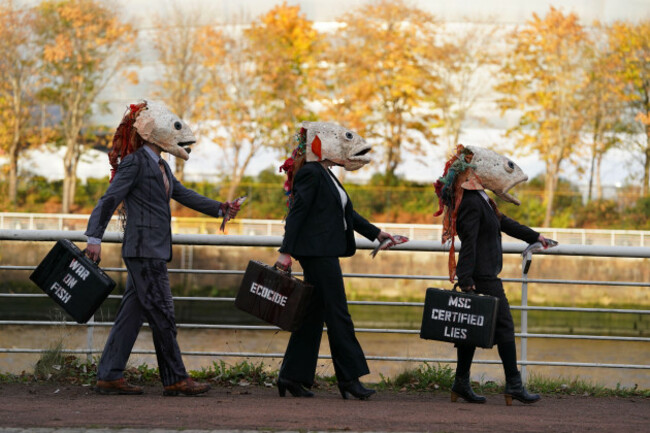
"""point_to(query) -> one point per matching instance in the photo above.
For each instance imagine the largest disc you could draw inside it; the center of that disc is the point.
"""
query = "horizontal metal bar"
(360, 330)
(375, 303)
(378, 276)
(362, 243)
(368, 357)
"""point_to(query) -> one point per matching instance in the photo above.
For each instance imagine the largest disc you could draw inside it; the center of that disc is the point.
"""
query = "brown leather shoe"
(119, 386)
(186, 387)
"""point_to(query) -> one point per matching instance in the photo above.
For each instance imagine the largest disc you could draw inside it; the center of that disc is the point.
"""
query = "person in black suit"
(479, 226)
(475, 217)
(143, 181)
(319, 229)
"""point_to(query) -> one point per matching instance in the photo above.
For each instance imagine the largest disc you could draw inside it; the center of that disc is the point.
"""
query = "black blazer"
(139, 183)
(479, 230)
(314, 226)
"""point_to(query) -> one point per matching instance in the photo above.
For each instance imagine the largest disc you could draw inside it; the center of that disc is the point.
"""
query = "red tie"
(164, 175)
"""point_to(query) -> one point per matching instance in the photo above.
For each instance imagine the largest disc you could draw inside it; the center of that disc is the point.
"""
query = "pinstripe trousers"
(147, 296)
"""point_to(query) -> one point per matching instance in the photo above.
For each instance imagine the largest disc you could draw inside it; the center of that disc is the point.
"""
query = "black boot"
(355, 388)
(462, 388)
(515, 389)
(294, 388)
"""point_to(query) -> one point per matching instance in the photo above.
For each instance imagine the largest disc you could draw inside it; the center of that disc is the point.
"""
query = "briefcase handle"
(95, 262)
(276, 267)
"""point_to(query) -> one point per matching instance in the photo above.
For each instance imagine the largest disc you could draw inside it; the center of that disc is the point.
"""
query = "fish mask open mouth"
(333, 142)
(157, 124)
(496, 172)
(186, 146)
(359, 157)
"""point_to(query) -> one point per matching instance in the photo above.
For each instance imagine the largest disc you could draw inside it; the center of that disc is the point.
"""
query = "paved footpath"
(77, 409)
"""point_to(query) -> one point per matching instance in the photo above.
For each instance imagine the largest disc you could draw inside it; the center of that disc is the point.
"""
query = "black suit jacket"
(314, 226)
(479, 230)
(139, 183)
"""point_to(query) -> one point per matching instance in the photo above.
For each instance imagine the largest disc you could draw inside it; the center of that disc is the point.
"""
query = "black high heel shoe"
(515, 390)
(463, 389)
(294, 388)
(355, 388)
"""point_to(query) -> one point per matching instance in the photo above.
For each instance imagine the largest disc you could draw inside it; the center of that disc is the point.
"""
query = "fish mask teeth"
(157, 124)
(496, 172)
(333, 142)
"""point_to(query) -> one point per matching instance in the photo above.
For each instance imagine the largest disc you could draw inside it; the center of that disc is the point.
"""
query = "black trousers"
(505, 326)
(504, 333)
(147, 295)
(329, 306)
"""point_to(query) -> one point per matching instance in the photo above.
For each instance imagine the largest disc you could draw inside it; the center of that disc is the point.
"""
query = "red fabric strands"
(126, 139)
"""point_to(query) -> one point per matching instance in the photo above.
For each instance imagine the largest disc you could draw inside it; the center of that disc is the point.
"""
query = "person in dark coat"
(319, 230)
(478, 223)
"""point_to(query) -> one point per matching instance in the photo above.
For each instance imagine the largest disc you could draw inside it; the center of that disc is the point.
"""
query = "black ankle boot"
(515, 389)
(462, 388)
(294, 388)
(355, 388)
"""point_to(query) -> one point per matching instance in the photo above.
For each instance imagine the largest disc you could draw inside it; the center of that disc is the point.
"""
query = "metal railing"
(269, 227)
(414, 245)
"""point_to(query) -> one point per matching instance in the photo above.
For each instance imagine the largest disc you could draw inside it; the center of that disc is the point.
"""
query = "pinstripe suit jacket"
(139, 183)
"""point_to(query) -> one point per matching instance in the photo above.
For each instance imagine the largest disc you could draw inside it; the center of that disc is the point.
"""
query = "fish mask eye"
(510, 166)
(349, 136)
(178, 125)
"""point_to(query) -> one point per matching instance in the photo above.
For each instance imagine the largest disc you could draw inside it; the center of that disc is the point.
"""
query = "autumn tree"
(259, 85)
(382, 84)
(602, 104)
(630, 47)
(175, 40)
(285, 48)
(18, 81)
(467, 59)
(541, 78)
(84, 44)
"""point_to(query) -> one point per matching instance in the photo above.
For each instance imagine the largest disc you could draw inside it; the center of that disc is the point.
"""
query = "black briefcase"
(72, 280)
(273, 296)
(459, 317)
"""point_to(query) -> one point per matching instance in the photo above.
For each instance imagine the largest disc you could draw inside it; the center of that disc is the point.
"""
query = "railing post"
(89, 339)
(524, 320)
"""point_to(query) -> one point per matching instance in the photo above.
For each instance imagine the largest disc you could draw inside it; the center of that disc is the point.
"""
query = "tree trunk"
(549, 187)
(599, 185)
(69, 176)
(646, 164)
(234, 184)
(390, 166)
(179, 173)
(591, 170)
(646, 172)
(13, 174)
(179, 169)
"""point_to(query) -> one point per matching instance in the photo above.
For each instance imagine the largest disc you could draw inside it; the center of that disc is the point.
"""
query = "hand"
(468, 289)
(231, 208)
(94, 252)
(543, 240)
(283, 262)
(383, 236)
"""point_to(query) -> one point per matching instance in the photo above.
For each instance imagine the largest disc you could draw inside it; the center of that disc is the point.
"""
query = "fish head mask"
(333, 142)
(157, 124)
(495, 172)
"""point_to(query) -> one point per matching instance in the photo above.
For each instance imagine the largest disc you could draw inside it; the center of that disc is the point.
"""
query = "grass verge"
(54, 366)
